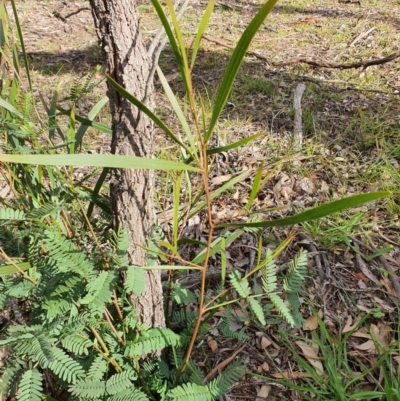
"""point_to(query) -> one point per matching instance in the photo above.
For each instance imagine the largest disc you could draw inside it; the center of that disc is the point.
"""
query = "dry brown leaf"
(368, 346)
(290, 375)
(364, 268)
(263, 394)
(212, 344)
(220, 179)
(264, 343)
(389, 286)
(311, 323)
(383, 335)
(363, 308)
(349, 326)
(306, 185)
(311, 355)
(361, 333)
(383, 304)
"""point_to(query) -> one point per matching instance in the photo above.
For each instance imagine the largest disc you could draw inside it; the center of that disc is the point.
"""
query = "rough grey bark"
(127, 62)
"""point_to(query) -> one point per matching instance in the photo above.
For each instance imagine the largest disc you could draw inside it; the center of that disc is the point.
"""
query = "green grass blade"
(219, 191)
(5, 270)
(216, 246)
(71, 131)
(112, 161)
(176, 204)
(10, 108)
(231, 146)
(178, 111)
(223, 260)
(202, 27)
(91, 116)
(256, 187)
(316, 212)
(171, 38)
(235, 63)
(96, 190)
(90, 123)
(21, 38)
(181, 44)
(234, 145)
(145, 110)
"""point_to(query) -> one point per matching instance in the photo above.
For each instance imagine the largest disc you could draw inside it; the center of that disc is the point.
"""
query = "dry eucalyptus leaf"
(263, 393)
(384, 306)
(212, 344)
(311, 323)
(311, 355)
(264, 343)
(220, 179)
(368, 346)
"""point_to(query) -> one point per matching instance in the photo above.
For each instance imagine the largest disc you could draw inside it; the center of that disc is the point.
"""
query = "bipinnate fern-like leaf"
(294, 301)
(130, 394)
(257, 309)
(241, 286)
(44, 211)
(182, 296)
(65, 367)
(43, 350)
(120, 382)
(65, 257)
(76, 343)
(11, 214)
(97, 369)
(37, 347)
(56, 307)
(135, 280)
(88, 389)
(269, 277)
(30, 386)
(122, 243)
(190, 392)
(297, 272)
(227, 332)
(282, 308)
(227, 378)
(153, 340)
(99, 291)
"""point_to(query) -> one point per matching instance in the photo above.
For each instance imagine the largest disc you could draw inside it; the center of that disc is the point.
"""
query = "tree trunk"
(127, 62)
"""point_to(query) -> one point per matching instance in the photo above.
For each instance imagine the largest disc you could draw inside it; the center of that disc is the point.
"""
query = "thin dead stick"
(222, 365)
(343, 66)
(361, 36)
(298, 116)
(393, 277)
(312, 61)
(77, 12)
(108, 318)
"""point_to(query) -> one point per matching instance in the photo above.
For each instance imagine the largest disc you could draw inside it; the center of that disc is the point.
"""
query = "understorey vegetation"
(70, 328)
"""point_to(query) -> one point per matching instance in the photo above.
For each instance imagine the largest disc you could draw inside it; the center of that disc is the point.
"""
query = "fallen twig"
(343, 66)
(222, 365)
(393, 277)
(311, 60)
(77, 12)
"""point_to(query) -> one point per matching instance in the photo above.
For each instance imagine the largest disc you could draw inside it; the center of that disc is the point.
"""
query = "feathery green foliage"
(30, 387)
